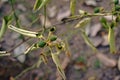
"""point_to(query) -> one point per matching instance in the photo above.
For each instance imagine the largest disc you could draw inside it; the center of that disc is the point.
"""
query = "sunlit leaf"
(111, 39)
(58, 65)
(4, 53)
(39, 4)
(82, 23)
(72, 6)
(88, 41)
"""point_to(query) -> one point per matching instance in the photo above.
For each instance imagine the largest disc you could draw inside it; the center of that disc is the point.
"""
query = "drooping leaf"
(39, 4)
(82, 23)
(111, 40)
(58, 65)
(5, 22)
(88, 42)
(24, 32)
(72, 6)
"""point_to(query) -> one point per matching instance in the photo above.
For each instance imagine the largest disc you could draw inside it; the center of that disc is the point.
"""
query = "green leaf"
(58, 65)
(87, 40)
(82, 23)
(72, 6)
(6, 20)
(104, 23)
(39, 4)
(111, 40)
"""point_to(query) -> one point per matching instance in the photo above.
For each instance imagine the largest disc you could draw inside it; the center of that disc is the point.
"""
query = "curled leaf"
(111, 40)
(72, 6)
(4, 53)
(58, 65)
(24, 32)
(82, 23)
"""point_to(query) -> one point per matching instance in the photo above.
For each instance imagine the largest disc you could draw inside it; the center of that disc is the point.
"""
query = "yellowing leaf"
(111, 40)
(72, 6)
(58, 65)
(24, 32)
(39, 4)
(82, 23)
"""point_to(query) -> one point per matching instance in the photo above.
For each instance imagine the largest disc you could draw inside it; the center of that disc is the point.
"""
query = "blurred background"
(84, 64)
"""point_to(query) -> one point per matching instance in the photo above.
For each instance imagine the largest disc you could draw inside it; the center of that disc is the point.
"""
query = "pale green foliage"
(39, 4)
(111, 39)
(72, 6)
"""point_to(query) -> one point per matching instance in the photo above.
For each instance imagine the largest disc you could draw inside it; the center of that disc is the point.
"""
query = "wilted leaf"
(72, 6)
(58, 65)
(82, 23)
(88, 41)
(24, 32)
(39, 4)
(111, 40)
